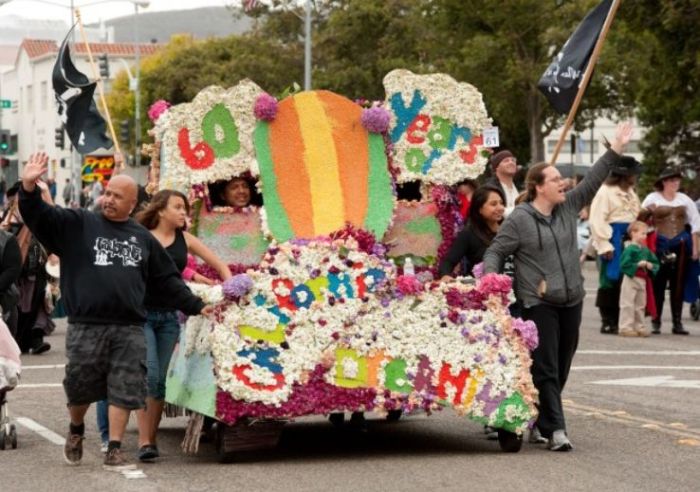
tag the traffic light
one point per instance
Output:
(59, 138)
(4, 141)
(103, 63)
(124, 131)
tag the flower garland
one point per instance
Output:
(449, 218)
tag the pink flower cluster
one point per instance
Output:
(409, 285)
(366, 241)
(265, 107)
(496, 284)
(527, 330)
(157, 109)
(376, 119)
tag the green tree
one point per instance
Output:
(664, 57)
(186, 66)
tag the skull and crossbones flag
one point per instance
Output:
(561, 80)
(74, 94)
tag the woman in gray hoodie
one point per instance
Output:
(541, 234)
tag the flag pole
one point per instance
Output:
(99, 84)
(586, 78)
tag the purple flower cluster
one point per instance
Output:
(376, 119)
(527, 330)
(237, 286)
(478, 270)
(157, 109)
(265, 107)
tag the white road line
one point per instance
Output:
(48, 366)
(39, 385)
(615, 368)
(47, 434)
(638, 352)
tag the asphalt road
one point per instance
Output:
(633, 408)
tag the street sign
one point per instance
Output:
(5, 103)
(491, 137)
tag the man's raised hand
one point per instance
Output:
(35, 167)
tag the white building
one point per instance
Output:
(588, 145)
(33, 117)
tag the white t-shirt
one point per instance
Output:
(692, 216)
(511, 194)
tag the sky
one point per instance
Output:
(107, 10)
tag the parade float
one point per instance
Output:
(334, 305)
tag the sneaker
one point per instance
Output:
(104, 447)
(40, 349)
(643, 333)
(560, 442)
(149, 452)
(73, 449)
(627, 333)
(115, 461)
(656, 327)
(536, 437)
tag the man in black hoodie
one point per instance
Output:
(108, 261)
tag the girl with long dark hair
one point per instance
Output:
(485, 216)
(166, 216)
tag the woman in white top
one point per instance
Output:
(677, 224)
(614, 206)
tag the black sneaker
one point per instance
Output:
(149, 452)
(40, 349)
(115, 461)
(73, 449)
(656, 327)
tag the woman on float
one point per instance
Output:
(485, 217)
(614, 207)
(677, 224)
(166, 216)
(541, 234)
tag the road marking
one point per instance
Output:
(652, 381)
(638, 352)
(39, 385)
(638, 367)
(47, 434)
(48, 366)
(689, 442)
(631, 420)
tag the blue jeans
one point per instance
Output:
(103, 419)
(162, 330)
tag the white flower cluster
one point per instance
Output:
(239, 100)
(375, 327)
(459, 103)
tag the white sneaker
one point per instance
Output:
(104, 447)
(536, 437)
(560, 441)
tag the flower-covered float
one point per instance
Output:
(321, 316)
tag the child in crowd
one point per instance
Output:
(637, 263)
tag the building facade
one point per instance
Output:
(33, 116)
